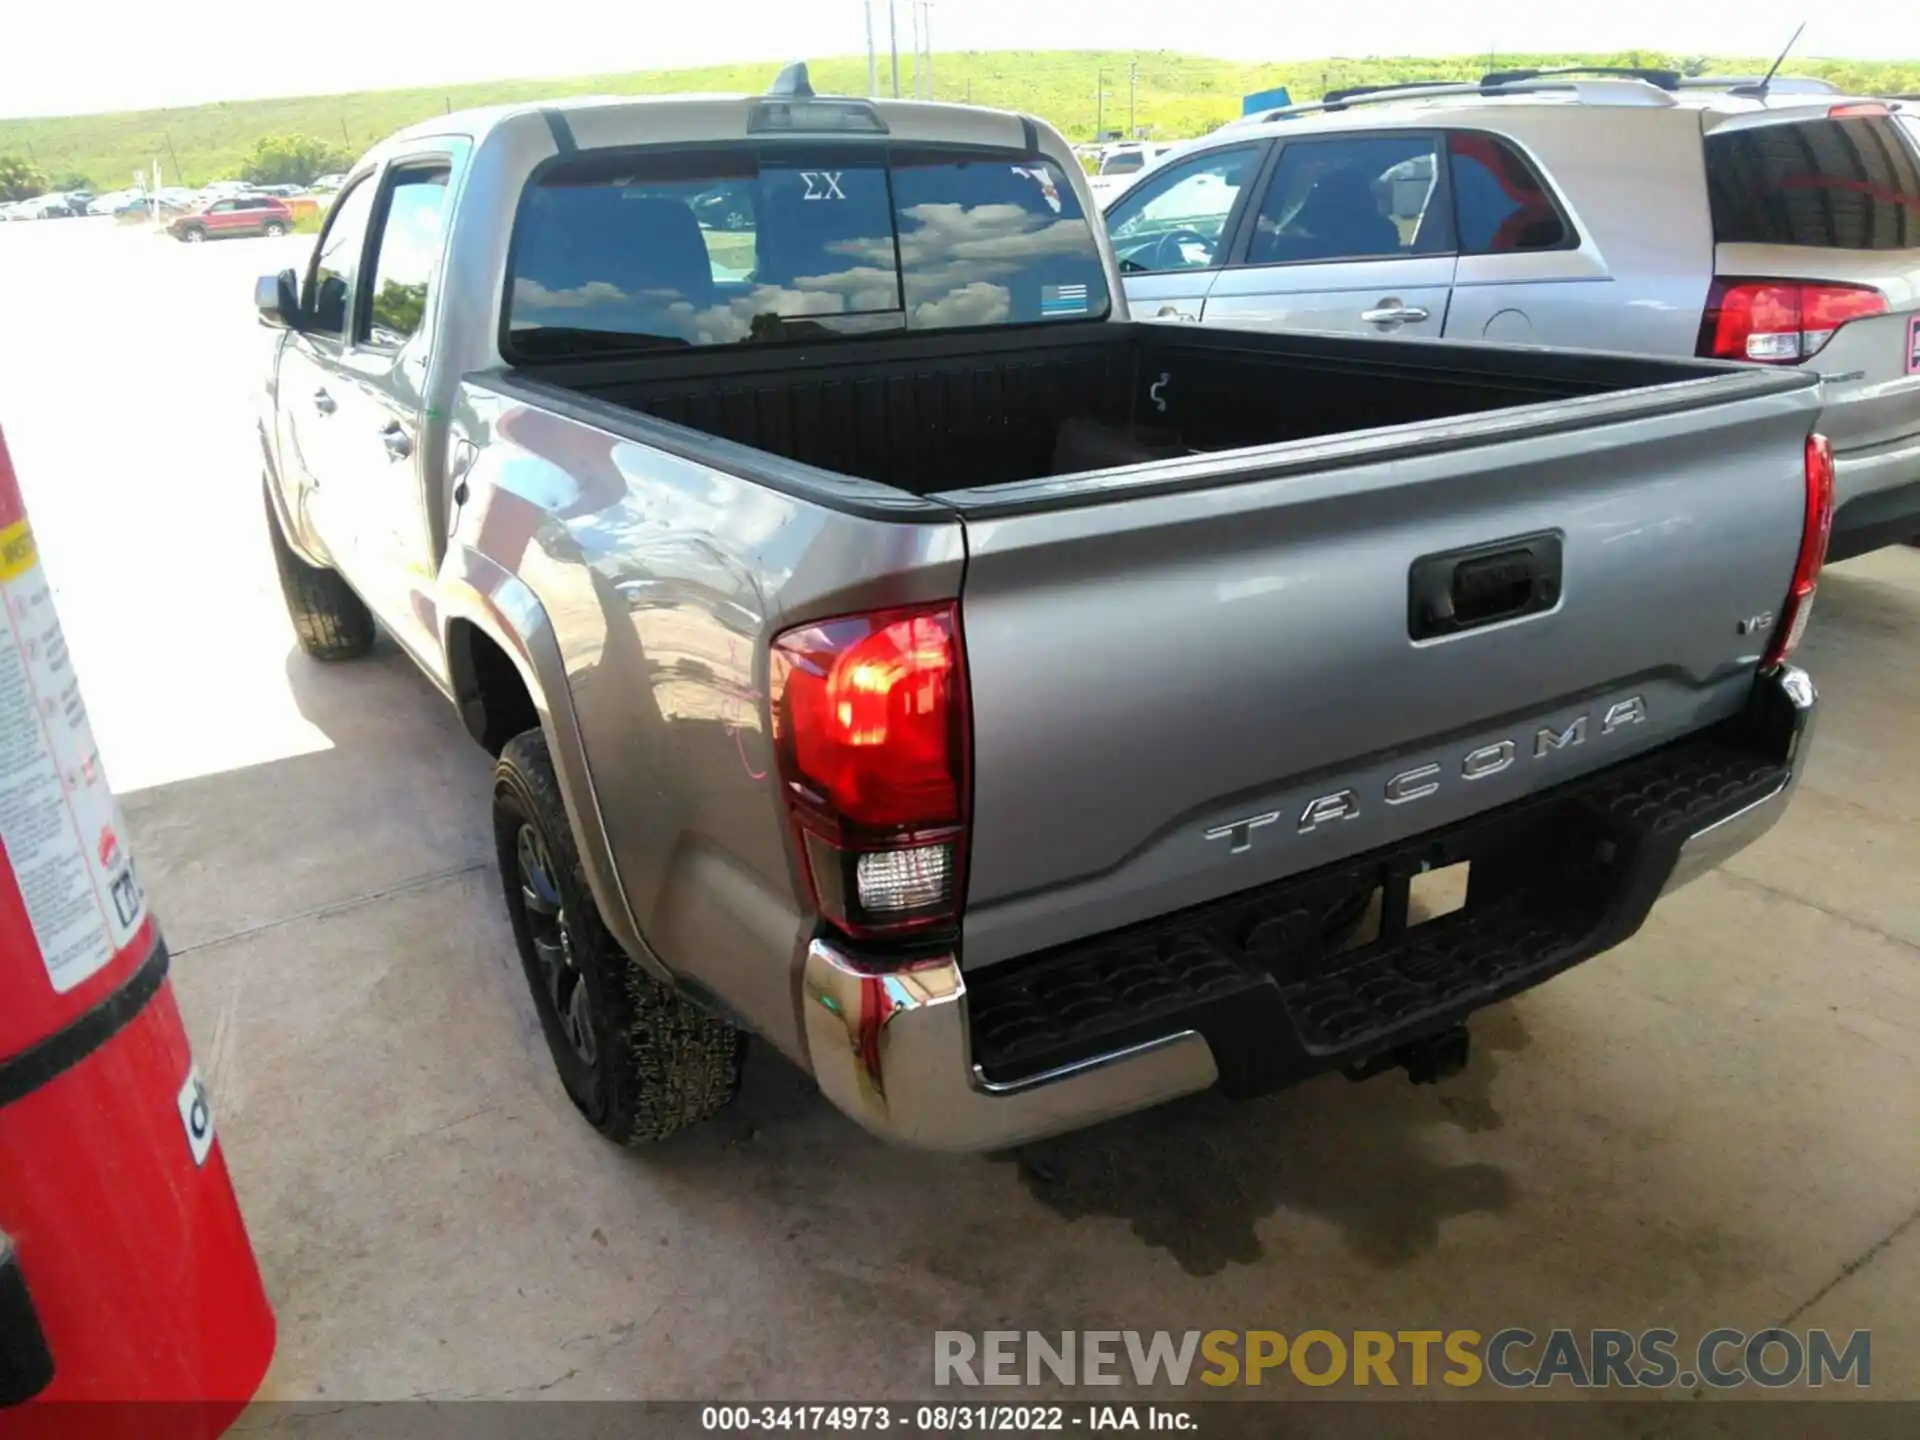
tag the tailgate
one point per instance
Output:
(1178, 695)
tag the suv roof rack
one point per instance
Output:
(1664, 79)
(1353, 92)
(1627, 89)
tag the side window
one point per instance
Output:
(335, 261)
(1499, 204)
(220, 207)
(406, 253)
(1173, 219)
(1366, 198)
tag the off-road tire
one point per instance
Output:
(329, 620)
(661, 1063)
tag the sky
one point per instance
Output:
(80, 56)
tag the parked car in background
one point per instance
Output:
(327, 184)
(1122, 165)
(1011, 713)
(44, 207)
(239, 215)
(1635, 211)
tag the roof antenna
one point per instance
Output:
(1759, 92)
(792, 82)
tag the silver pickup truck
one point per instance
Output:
(1014, 715)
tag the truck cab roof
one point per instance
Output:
(597, 121)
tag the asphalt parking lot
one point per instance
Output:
(1717, 1125)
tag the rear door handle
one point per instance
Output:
(1392, 312)
(323, 402)
(399, 447)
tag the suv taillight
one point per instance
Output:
(1815, 530)
(870, 727)
(1780, 322)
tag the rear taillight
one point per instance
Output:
(1780, 322)
(870, 726)
(1814, 533)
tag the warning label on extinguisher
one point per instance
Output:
(62, 829)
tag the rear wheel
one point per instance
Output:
(275, 229)
(637, 1060)
(193, 235)
(329, 620)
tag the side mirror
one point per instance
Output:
(277, 298)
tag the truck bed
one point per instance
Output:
(932, 413)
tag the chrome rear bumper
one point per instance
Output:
(1704, 849)
(890, 1047)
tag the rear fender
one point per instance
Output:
(478, 591)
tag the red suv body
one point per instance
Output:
(235, 215)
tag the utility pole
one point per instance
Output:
(926, 39)
(873, 62)
(1133, 77)
(913, 21)
(893, 43)
(1099, 103)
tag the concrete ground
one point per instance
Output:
(1717, 1125)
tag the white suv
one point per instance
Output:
(1635, 211)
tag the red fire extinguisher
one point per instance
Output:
(126, 1274)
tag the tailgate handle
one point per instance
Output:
(1462, 590)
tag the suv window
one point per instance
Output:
(1365, 198)
(336, 259)
(724, 248)
(406, 252)
(1499, 204)
(1847, 184)
(1173, 219)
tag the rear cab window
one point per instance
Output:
(1849, 183)
(749, 244)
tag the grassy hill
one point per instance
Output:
(1178, 95)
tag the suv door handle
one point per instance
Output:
(1392, 312)
(399, 447)
(323, 402)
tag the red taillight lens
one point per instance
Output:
(1814, 534)
(1780, 322)
(870, 725)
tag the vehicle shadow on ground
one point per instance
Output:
(1194, 1178)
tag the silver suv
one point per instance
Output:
(1777, 223)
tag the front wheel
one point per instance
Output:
(275, 229)
(637, 1060)
(329, 620)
